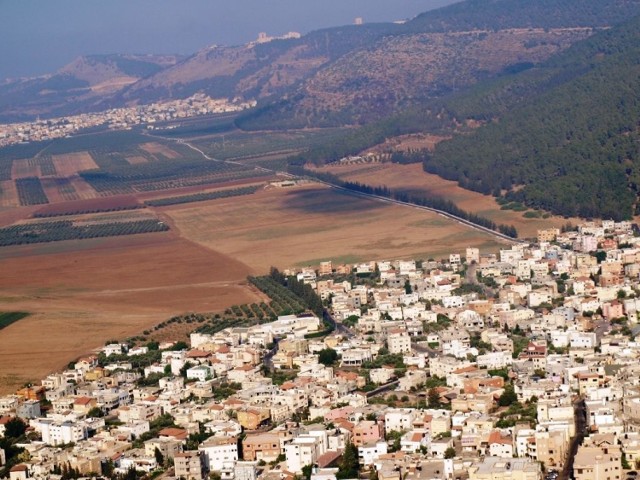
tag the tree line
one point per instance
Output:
(434, 202)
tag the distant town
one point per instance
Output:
(521, 364)
(117, 118)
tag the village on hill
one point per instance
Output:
(518, 365)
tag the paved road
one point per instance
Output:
(580, 418)
(338, 326)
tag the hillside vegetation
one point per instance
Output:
(562, 137)
(332, 77)
(439, 52)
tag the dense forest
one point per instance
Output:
(564, 133)
(500, 14)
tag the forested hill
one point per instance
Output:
(437, 53)
(563, 136)
(501, 14)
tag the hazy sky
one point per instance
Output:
(39, 36)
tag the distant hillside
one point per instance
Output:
(501, 14)
(254, 72)
(77, 86)
(563, 136)
(337, 76)
(439, 52)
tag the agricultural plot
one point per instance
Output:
(30, 191)
(411, 179)
(59, 189)
(98, 205)
(308, 224)
(282, 302)
(154, 176)
(44, 232)
(8, 194)
(204, 196)
(136, 160)
(143, 280)
(25, 168)
(247, 145)
(6, 167)
(69, 164)
(33, 167)
(155, 148)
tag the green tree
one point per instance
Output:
(508, 397)
(159, 457)
(348, 466)
(433, 398)
(95, 412)
(450, 452)
(328, 356)
(307, 470)
(15, 428)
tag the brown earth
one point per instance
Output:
(8, 194)
(115, 202)
(405, 143)
(136, 160)
(72, 163)
(82, 293)
(304, 225)
(413, 179)
(154, 147)
(59, 189)
(24, 168)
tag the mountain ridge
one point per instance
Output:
(295, 77)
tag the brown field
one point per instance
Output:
(404, 143)
(59, 189)
(136, 160)
(84, 293)
(24, 168)
(8, 194)
(159, 148)
(83, 189)
(119, 201)
(69, 164)
(308, 224)
(411, 178)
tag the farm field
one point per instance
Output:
(81, 294)
(411, 178)
(304, 225)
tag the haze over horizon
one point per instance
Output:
(40, 37)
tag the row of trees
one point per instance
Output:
(301, 290)
(566, 132)
(201, 197)
(66, 230)
(30, 191)
(434, 202)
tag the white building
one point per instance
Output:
(218, 451)
(60, 433)
(399, 343)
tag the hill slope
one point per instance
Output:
(438, 52)
(78, 85)
(563, 136)
(336, 76)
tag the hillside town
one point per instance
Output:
(520, 364)
(118, 118)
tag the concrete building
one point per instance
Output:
(189, 465)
